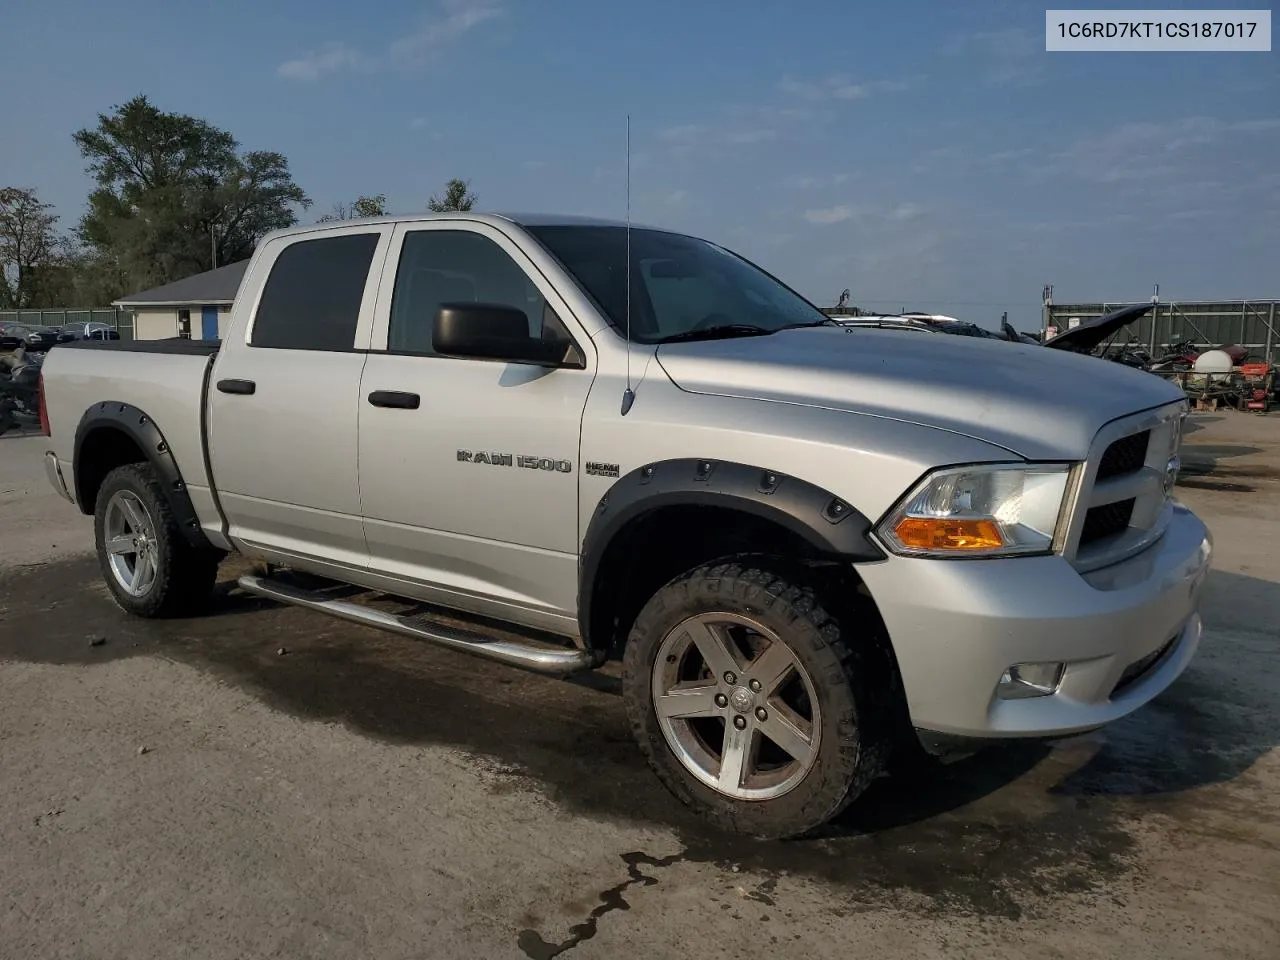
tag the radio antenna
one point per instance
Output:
(628, 395)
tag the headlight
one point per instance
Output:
(991, 510)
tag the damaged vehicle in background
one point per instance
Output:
(30, 337)
(19, 386)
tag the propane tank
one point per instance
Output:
(1213, 361)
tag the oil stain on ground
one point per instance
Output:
(531, 942)
(991, 835)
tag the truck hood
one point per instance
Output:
(1037, 403)
(1086, 336)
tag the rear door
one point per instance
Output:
(469, 468)
(283, 405)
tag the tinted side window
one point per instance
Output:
(455, 266)
(312, 297)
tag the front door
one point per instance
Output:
(471, 496)
(208, 323)
(284, 399)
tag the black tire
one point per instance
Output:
(185, 575)
(845, 661)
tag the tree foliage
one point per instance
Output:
(457, 196)
(175, 193)
(374, 206)
(32, 254)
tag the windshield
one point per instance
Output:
(679, 285)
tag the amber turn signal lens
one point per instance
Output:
(941, 533)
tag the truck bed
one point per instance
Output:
(165, 380)
(171, 345)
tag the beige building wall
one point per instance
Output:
(155, 323)
(224, 320)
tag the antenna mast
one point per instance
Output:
(628, 395)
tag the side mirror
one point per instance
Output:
(491, 331)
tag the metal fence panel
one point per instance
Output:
(1250, 323)
(122, 320)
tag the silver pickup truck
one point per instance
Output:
(554, 442)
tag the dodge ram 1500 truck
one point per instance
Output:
(554, 441)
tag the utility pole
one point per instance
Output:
(1046, 317)
(1155, 318)
(213, 243)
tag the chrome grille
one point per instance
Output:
(1121, 505)
(1107, 520)
(1124, 455)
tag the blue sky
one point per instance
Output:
(925, 155)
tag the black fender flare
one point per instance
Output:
(142, 430)
(833, 527)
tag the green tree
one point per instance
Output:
(375, 206)
(32, 254)
(457, 196)
(176, 195)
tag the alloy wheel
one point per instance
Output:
(130, 542)
(736, 706)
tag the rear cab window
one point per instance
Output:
(312, 297)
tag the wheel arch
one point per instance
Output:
(735, 506)
(112, 434)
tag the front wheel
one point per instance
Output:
(149, 567)
(754, 705)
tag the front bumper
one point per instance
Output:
(957, 625)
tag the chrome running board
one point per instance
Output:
(530, 655)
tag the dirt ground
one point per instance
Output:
(187, 790)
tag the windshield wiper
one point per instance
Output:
(824, 322)
(718, 332)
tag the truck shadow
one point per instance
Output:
(985, 835)
(1198, 421)
(1217, 466)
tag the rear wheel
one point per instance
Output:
(149, 567)
(754, 706)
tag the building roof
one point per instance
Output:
(213, 287)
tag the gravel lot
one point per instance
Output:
(185, 790)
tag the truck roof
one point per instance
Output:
(493, 218)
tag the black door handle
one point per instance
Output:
(395, 398)
(245, 387)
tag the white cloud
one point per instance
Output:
(328, 58)
(452, 20)
(418, 123)
(455, 19)
(688, 137)
(906, 211)
(1012, 56)
(1007, 156)
(1143, 153)
(811, 181)
(838, 86)
(829, 214)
